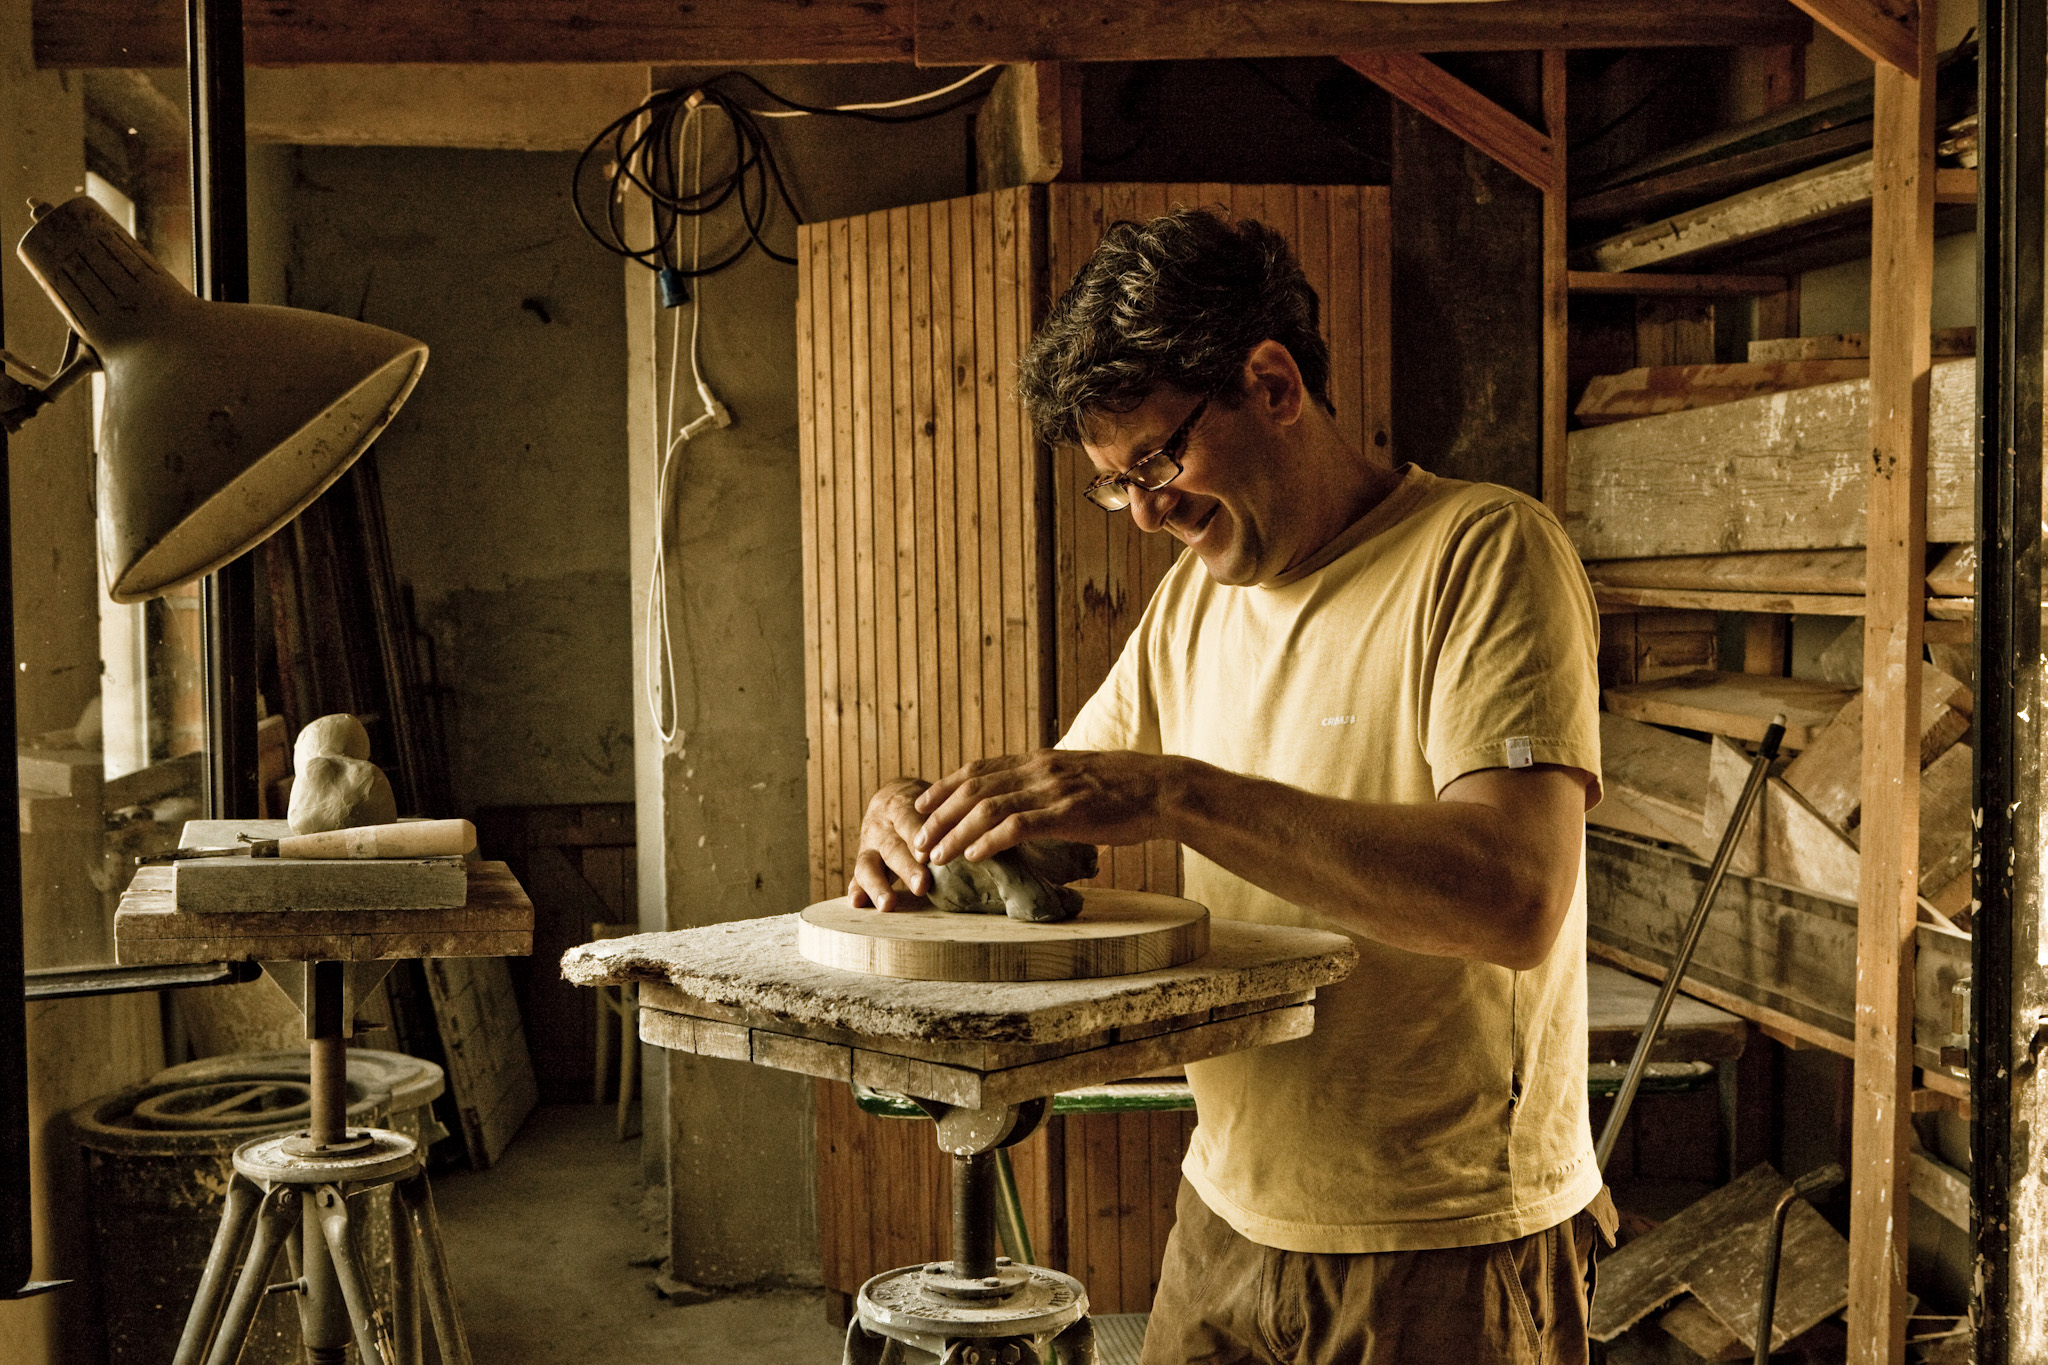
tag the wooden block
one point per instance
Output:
(1644, 646)
(1782, 472)
(1728, 768)
(1700, 1332)
(1955, 574)
(1713, 1249)
(1775, 571)
(1948, 342)
(1117, 933)
(1942, 1188)
(1652, 389)
(490, 1074)
(1734, 704)
(1829, 772)
(1813, 1274)
(1803, 849)
(77, 773)
(246, 885)
(1652, 777)
(171, 777)
(1946, 828)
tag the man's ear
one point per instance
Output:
(1276, 382)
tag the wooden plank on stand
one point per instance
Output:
(1901, 292)
(1738, 705)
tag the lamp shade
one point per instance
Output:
(222, 420)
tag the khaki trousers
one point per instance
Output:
(1223, 1300)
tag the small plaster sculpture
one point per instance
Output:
(1025, 882)
(335, 785)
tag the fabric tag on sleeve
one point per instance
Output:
(1520, 754)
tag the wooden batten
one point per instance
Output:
(1782, 472)
(1653, 389)
(1653, 784)
(1738, 705)
(1829, 191)
(1898, 475)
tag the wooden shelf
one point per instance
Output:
(1815, 218)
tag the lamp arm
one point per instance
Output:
(21, 399)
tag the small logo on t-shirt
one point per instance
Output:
(1519, 753)
(1340, 720)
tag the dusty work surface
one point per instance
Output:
(497, 921)
(1117, 933)
(244, 883)
(754, 966)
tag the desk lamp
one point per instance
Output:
(223, 421)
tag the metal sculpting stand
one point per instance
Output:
(978, 1308)
(303, 1183)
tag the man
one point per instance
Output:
(1366, 701)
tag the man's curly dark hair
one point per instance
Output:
(1181, 301)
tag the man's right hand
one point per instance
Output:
(886, 830)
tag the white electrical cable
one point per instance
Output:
(662, 667)
(882, 104)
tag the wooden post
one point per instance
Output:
(1901, 284)
(1556, 298)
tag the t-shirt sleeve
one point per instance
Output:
(1514, 673)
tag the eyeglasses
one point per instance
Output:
(1112, 492)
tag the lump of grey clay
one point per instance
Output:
(1025, 882)
(334, 785)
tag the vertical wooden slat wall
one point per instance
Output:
(1123, 1170)
(925, 644)
(950, 613)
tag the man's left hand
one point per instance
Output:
(1092, 798)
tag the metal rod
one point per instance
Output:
(220, 250)
(2013, 110)
(1805, 1187)
(974, 1215)
(373, 1343)
(275, 1221)
(326, 998)
(1625, 1097)
(17, 1237)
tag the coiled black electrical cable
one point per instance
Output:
(642, 150)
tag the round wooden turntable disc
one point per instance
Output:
(1117, 933)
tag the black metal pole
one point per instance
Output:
(974, 1215)
(2013, 67)
(220, 248)
(17, 1242)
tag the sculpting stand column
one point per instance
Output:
(292, 1193)
(978, 1308)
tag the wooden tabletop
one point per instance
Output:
(1617, 1005)
(149, 929)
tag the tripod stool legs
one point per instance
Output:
(335, 1305)
(418, 1198)
(275, 1218)
(228, 1245)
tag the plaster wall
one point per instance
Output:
(504, 476)
(731, 785)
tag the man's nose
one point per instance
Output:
(1150, 509)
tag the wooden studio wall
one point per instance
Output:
(963, 600)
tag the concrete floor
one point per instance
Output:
(553, 1254)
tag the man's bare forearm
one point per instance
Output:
(1452, 877)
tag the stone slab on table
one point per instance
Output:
(497, 921)
(742, 991)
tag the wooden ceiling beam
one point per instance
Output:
(1437, 95)
(86, 34)
(74, 34)
(965, 31)
(1882, 30)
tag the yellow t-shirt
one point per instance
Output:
(1440, 1102)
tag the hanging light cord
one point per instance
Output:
(641, 149)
